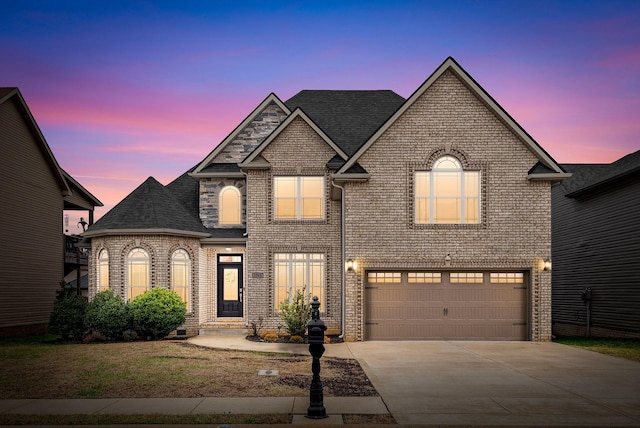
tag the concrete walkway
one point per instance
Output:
(427, 384)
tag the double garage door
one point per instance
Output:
(446, 305)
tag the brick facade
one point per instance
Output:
(298, 150)
(379, 228)
(516, 219)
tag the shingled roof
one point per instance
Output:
(151, 208)
(592, 177)
(350, 117)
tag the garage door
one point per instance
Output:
(446, 305)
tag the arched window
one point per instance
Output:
(181, 276)
(138, 273)
(103, 270)
(230, 206)
(447, 193)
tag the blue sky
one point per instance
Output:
(127, 90)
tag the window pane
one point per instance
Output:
(472, 214)
(230, 206)
(446, 184)
(472, 184)
(285, 208)
(230, 285)
(312, 208)
(447, 210)
(447, 162)
(103, 271)
(424, 277)
(311, 187)
(285, 187)
(466, 277)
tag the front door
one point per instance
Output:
(230, 285)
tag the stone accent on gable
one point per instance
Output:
(252, 135)
(515, 231)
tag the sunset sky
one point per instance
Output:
(127, 90)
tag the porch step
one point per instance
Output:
(223, 329)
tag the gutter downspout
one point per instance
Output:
(246, 248)
(343, 247)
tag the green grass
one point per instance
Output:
(623, 348)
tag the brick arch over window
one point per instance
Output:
(124, 263)
(460, 155)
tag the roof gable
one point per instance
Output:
(450, 64)
(591, 177)
(347, 117)
(200, 169)
(298, 113)
(150, 208)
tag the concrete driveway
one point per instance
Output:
(501, 383)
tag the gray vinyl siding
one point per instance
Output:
(31, 241)
(596, 243)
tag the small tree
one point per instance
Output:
(108, 315)
(67, 317)
(157, 312)
(295, 311)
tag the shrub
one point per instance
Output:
(296, 312)
(157, 312)
(270, 337)
(108, 315)
(67, 317)
(296, 339)
(256, 326)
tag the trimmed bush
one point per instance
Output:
(296, 312)
(108, 315)
(67, 317)
(296, 339)
(157, 312)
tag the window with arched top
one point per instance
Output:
(447, 194)
(230, 206)
(103, 270)
(181, 276)
(138, 273)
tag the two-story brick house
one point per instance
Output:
(424, 218)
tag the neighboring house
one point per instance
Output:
(424, 218)
(35, 191)
(596, 250)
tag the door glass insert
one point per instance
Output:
(230, 289)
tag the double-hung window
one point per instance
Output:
(447, 194)
(295, 271)
(298, 198)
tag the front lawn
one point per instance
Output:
(44, 368)
(623, 348)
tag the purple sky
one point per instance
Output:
(127, 90)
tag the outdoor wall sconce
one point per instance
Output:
(447, 260)
(351, 265)
(546, 264)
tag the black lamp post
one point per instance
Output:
(315, 336)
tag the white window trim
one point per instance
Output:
(462, 195)
(187, 263)
(298, 200)
(221, 206)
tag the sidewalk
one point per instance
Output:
(336, 406)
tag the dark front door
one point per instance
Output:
(230, 286)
